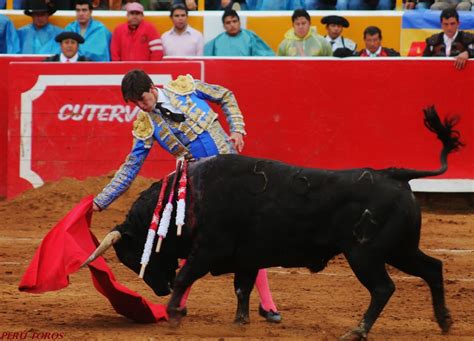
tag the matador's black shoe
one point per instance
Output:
(270, 316)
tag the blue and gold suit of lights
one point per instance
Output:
(199, 135)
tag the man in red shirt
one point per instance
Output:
(136, 40)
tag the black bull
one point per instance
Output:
(244, 214)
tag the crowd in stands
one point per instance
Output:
(138, 40)
(259, 5)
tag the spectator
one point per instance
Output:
(192, 5)
(451, 42)
(9, 42)
(341, 47)
(17, 4)
(38, 37)
(236, 5)
(136, 39)
(107, 4)
(96, 35)
(159, 5)
(63, 5)
(302, 40)
(182, 39)
(236, 41)
(69, 42)
(460, 5)
(373, 44)
(277, 5)
(322, 5)
(418, 4)
(365, 5)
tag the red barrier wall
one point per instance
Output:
(349, 113)
(65, 124)
(4, 61)
(318, 113)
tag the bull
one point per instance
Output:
(245, 214)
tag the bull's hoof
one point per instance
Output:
(174, 322)
(175, 315)
(354, 335)
(183, 311)
(446, 323)
(270, 316)
(241, 320)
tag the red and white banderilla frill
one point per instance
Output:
(166, 217)
(152, 229)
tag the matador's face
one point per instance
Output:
(148, 100)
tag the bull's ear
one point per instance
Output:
(107, 242)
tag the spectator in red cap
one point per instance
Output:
(136, 40)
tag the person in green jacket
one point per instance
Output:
(302, 40)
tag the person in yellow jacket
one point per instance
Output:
(302, 40)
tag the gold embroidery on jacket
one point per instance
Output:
(167, 136)
(198, 120)
(183, 85)
(228, 104)
(143, 127)
(224, 146)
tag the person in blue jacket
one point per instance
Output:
(236, 41)
(9, 42)
(97, 37)
(38, 37)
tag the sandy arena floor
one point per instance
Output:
(314, 307)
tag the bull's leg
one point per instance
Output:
(431, 270)
(370, 270)
(243, 285)
(194, 269)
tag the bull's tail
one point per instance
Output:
(446, 134)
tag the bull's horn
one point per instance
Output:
(108, 241)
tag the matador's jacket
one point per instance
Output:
(198, 135)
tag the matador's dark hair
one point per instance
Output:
(134, 84)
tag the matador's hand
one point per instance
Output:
(238, 141)
(95, 208)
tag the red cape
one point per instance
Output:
(62, 252)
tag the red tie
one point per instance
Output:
(67, 60)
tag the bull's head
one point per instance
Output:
(160, 272)
(129, 240)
